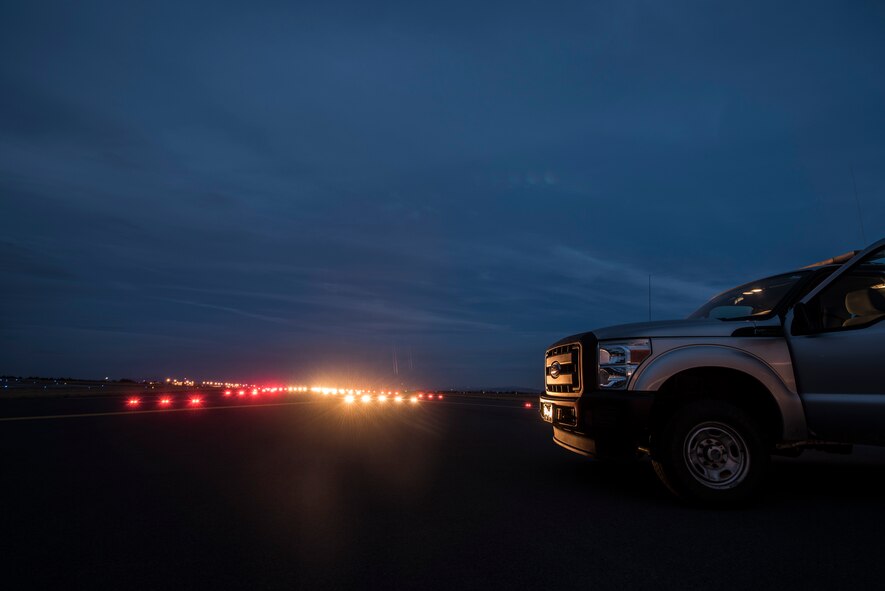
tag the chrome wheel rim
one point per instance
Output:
(716, 455)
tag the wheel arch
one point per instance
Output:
(692, 372)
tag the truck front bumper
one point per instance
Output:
(605, 425)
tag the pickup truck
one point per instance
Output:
(790, 362)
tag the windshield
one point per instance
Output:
(752, 300)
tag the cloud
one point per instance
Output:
(468, 181)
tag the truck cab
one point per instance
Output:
(774, 366)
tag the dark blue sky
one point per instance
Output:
(293, 191)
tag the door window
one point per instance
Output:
(856, 299)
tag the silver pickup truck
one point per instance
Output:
(775, 366)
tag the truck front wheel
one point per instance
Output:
(711, 452)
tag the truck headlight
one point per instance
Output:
(618, 360)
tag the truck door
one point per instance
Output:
(837, 340)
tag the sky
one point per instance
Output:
(413, 194)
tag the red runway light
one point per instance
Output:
(227, 392)
(527, 405)
(165, 401)
(241, 393)
(440, 397)
(133, 401)
(255, 392)
(196, 401)
(420, 395)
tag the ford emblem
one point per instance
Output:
(555, 369)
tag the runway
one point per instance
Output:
(316, 493)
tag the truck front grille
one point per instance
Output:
(562, 369)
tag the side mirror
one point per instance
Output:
(802, 323)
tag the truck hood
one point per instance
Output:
(673, 328)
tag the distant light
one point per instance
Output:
(430, 396)
(440, 396)
(419, 396)
(227, 392)
(349, 399)
(134, 401)
(399, 399)
(413, 399)
(165, 401)
(254, 391)
(366, 398)
(527, 405)
(241, 393)
(382, 398)
(196, 401)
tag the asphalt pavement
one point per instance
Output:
(301, 492)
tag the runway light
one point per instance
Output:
(413, 399)
(165, 401)
(382, 398)
(227, 392)
(196, 401)
(430, 396)
(366, 398)
(527, 405)
(419, 396)
(440, 397)
(241, 393)
(349, 399)
(133, 401)
(399, 399)
(254, 391)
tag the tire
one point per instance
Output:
(713, 453)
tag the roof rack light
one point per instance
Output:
(837, 260)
